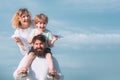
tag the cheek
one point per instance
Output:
(37, 25)
(44, 26)
(43, 46)
(34, 46)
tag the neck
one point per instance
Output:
(24, 26)
(40, 31)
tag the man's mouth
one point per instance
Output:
(39, 49)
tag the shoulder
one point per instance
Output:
(31, 53)
(48, 31)
(18, 30)
(31, 50)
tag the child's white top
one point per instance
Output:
(47, 33)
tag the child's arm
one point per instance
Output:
(55, 38)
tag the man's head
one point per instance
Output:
(39, 45)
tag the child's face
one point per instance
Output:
(41, 26)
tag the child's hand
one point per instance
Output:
(55, 37)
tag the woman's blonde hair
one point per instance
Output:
(41, 18)
(15, 20)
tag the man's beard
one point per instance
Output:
(39, 52)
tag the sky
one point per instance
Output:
(90, 30)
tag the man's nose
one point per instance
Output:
(38, 46)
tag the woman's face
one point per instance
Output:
(25, 19)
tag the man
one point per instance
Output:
(35, 57)
(38, 49)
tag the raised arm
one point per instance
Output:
(51, 42)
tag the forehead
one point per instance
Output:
(40, 20)
(38, 42)
(24, 14)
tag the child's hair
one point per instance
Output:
(15, 20)
(41, 18)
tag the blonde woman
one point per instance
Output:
(23, 25)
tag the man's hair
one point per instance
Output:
(39, 37)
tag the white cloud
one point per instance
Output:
(94, 5)
(76, 36)
(91, 1)
(78, 41)
(91, 38)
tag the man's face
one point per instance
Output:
(39, 46)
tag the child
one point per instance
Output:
(41, 21)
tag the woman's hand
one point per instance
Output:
(19, 41)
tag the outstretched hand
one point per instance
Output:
(19, 41)
(55, 37)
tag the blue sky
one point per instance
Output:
(91, 36)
